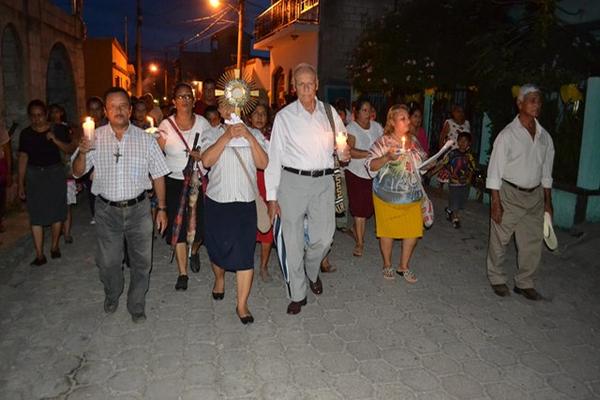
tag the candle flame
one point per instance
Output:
(150, 121)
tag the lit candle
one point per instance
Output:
(150, 121)
(88, 128)
(403, 143)
(341, 140)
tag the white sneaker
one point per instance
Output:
(92, 221)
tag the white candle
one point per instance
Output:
(340, 141)
(403, 143)
(150, 121)
(88, 128)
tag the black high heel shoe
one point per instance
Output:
(218, 296)
(246, 319)
(55, 253)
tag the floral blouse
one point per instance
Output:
(461, 167)
(398, 181)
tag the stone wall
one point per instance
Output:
(33, 33)
(39, 40)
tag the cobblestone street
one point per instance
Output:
(446, 337)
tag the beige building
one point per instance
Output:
(106, 65)
(320, 32)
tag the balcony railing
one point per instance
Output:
(282, 14)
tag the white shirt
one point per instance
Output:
(300, 140)
(126, 176)
(519, 159)
(175, 150)
(364, 140)
(227, 181)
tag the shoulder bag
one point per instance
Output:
(340, 210)
(263, 222)
(203, 179)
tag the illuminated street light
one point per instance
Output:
(154, 69)
(240, 11)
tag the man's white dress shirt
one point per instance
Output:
(300, 140)
(520, 160)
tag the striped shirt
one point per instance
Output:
(227, 181)
(122, 169)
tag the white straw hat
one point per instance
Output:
(549, 235)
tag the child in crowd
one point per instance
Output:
(212, 115)
(460, 166)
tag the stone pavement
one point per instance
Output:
(446, 337)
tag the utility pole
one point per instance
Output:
(240, 34)
(126, 40)
(166, 72)
(138, 51)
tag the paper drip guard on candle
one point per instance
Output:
(437, 155)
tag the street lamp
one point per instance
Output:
(153, 68)
(240, 11)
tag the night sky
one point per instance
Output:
(165, 22)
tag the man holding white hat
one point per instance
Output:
(520, 180)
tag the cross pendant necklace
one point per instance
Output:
(117, 155)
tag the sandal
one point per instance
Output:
(388, 273)
(358, 250)
(408, 275)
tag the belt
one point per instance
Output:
(124, 203)
(528, 190)
(314, 173)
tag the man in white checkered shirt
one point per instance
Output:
(127, 161)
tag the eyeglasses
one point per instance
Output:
(184, 97)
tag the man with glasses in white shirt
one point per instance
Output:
(520, 180)
(299, 182)
(127, 162)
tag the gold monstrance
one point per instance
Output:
(238, 92)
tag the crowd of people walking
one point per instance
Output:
(196, 180)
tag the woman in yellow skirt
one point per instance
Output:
(397, 191)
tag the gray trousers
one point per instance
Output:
(134, 224)
(301, 196)
(524, 217)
